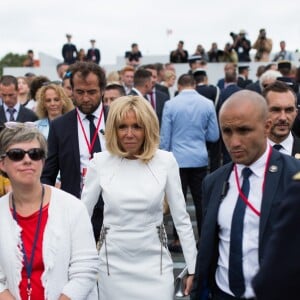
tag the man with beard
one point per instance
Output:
(74, 137)
(281, 101)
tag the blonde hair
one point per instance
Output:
(169, 74)
(41, 98)
(113, 76)
(146, 117)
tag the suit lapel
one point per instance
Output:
(218, 190)
(2, 115)
(273, 175)
(20, 116)
(73, 131)
(296, 146)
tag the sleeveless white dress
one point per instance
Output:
(134, 260)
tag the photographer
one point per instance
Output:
(241, 45)
(179, 55)
(229, 54)
(263, 45)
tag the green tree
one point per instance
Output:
(11, 60)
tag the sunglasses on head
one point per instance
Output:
(14, 125)
(19, 154)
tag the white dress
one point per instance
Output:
(135, 263)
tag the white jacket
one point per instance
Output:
(69, 251)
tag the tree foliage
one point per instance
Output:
(12, 60)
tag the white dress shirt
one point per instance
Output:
(7, 114)
(83, 146)
(251, 226)
(287, 144)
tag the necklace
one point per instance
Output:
(29, 263)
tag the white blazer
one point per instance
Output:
(69, 251)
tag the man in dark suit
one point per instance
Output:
(142, 83)
(69, 51)
(11, 110)
(240, 201)
(282, 101)
(243, 80)
(278, 277)
(93, 53)
(74, 137)
(231, 87)
(156, 97)
(221, 84)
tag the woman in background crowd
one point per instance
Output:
(52, 102)
(23, 90)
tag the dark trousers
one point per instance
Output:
(192, 178)
(97, 218)
(214, 154)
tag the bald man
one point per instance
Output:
(240, 201)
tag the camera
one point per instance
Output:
(233, 35)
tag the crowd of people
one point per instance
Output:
(236, 51)
(126, 144)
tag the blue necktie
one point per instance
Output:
(236, 276)
(277, 147)
(97, 146)
(11, 112)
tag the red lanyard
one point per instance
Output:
(90, 145)
(245, 199)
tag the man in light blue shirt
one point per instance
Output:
(189, 121)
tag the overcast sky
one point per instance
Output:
(115, 24)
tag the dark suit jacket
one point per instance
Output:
(226, 93)
(161, 99)
(64, 156)
(275, 186)
(296, 146)
(242, 83)
(69, 52)
(163, 89)
(208, 91)
(24, 115)
(254, 86)
(133, 93)
(93, 52)
(279, 275)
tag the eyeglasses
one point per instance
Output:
(13, 125)
(18, 154)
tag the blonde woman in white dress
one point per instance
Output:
(133, 177)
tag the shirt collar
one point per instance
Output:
(258, 167)
(286, 144)
(96, 113)
(16, 107)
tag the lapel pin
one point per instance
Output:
(297, 155)
(273, 169)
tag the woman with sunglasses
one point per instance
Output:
(47, 248)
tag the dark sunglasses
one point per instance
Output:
(19, 154)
